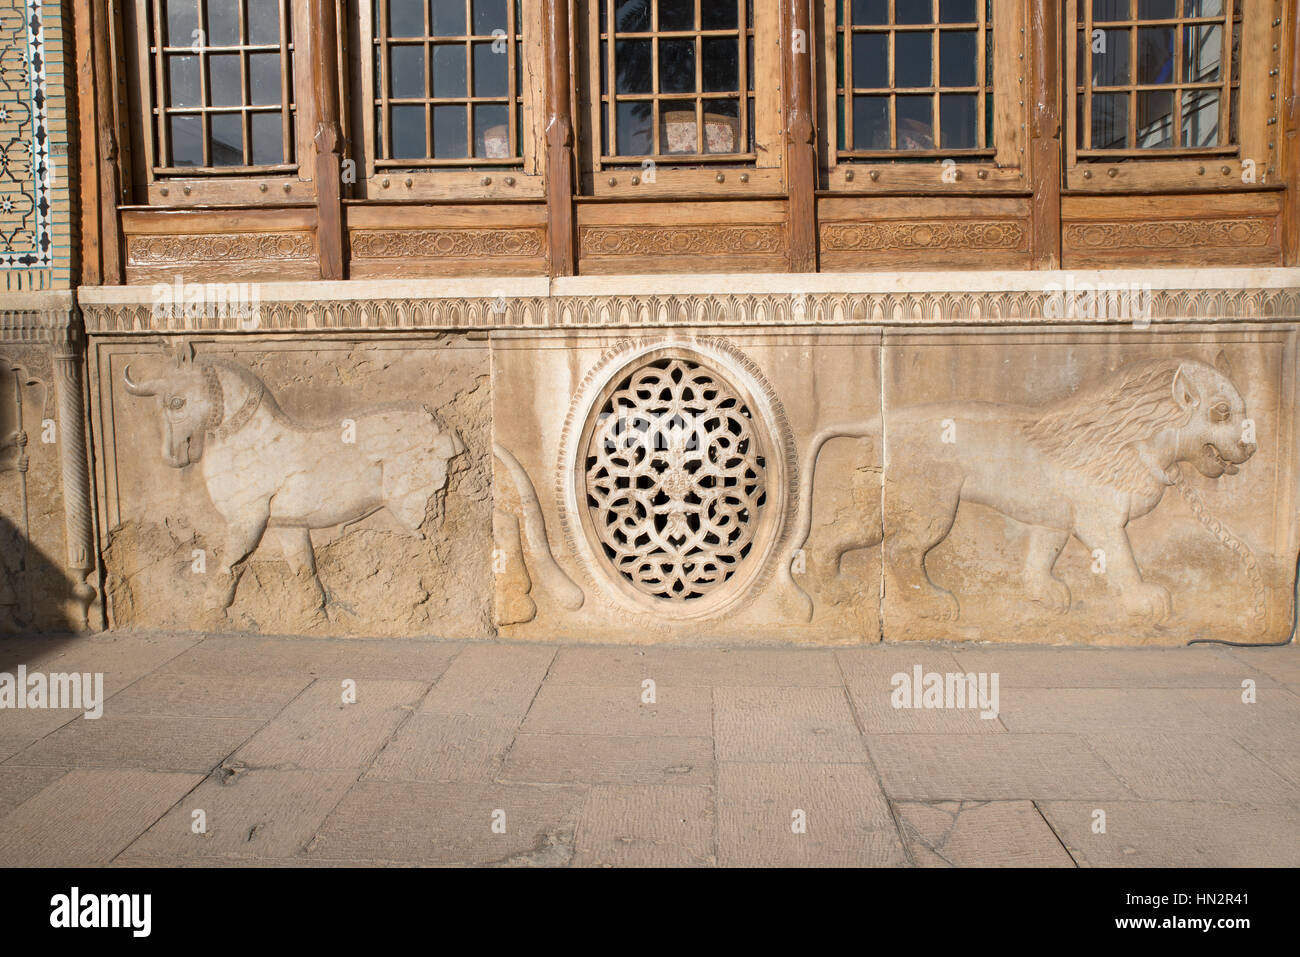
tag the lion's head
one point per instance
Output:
(1146, 417)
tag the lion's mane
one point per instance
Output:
(1095, 429)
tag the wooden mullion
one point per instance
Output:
(698, 41)
(164, 157)
(847, 59)
(893, 86)
(1087, 73)
(381, 49)
(981, 64)
(742, 78)
(1180, 77)
(204, 129)
(1132, 80)
(935, 119)
(656, 117)
(286, 90)
(512, 100)
(245, 92)
(1225, 61)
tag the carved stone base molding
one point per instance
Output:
(46, 516)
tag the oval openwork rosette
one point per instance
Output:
(678, 476)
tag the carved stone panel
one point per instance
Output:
(292, 487)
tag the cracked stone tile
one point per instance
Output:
(609, 759)
(869, 676)
(491, 681)
(1271, 722)
(162, 743)
(585, 709)
(778, 725)
(19, 784)
(646, 827)
(980, 834)
(444, 747)
(214, 696)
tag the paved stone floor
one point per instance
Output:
(514, 754)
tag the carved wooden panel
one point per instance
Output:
(235, 255)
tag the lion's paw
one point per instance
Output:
(1050, 592)
(936, 604)
(1148, 601)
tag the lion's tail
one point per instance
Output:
(807, 477)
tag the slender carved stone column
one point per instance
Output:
(67, 352)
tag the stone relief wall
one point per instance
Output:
(290, 487)
(749, 480)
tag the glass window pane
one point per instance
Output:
(490, 15)
(957, 11)
(719, 15)
(491, 70)
(268, 139)
(264, 21)
(1106, 10)
(634, 129)
(449, 70)
(677, 14)
(227, 139)
(721, 126)
(450, 132)
(223, 80)
(958, 52)
(182, 21)
(721, 64)
(915, 122)
(1110, 59)
(676, 66)
(406, 72)
(186, 137)
(871, 61)
(1155, 55)
(407, 132)
(1202, 53)
(1155, 119)
(1157, 9)
(492, 131)
(632, 16)
(871, 122)
(913, 11)
(632, 61)
(182, 80)
(264, 78)
(1109, 121)
(870, 12)
(1201, 118)
(912, 55)
(958, 121)
(406, 17)
(223, 24)
(1203, 8)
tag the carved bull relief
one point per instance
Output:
(265, 471)
(1085, 466)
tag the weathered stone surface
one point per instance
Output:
(846, 820)
(291, 658)
(19, 784)
(1267, 724)
(1106, 668)
(990, 767)
(320, 731)
(646, 827)
(621, 709)
(690, 667)
(1283, 664)
(1066, 710)
(87, 817)
(258, 813)
(451, 823)
(785, 725)
(869, 676)
(445, 747)
(216, 696)
(609, 759)
(980, 834)
(1177, 834)
(491, 681)
(158, 742)
(341, 489)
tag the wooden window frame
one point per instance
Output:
(1180, 169)
(1000, 169)
(760, 172)
(462, 179)
(285, 184)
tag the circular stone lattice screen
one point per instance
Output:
(674, 479)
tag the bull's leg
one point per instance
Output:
(242, 537)
(1045, 546)
(917, 518)
(298, 552)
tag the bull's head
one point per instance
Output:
(188, 407)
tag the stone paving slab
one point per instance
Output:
(491, 681)
(684, 711)
(19, 784)
(1066, 710)
(1186, 767)
(160, 743)
(1285, 762)
(609, 759)
(869, 676)
(451, 823)
(445, 747)
(209, 696)
(1048, 667)
(354, 658)
(87, 817)
(35, 723)
(259, 813)
(1283, 664)
(980, 834)
(777, 725)
(990, 767)
(701, 667)
(646, 827)
(1177, 834)
(319, 731)
(1268, 723)
(846, 820)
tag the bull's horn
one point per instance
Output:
(136, 388)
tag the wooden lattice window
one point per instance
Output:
(914, 76)
(220, 85)
(676, 80)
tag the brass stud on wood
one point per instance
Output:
(613, 181)
(720, 178)
(636, 180)
(848, 176)
(164, 191)
(486, 181)
(874, 174)
(409, 182)
(983, 174)
(744, 177)
(261, 187)
(1112, 172)
(510, 181)
(384, 182)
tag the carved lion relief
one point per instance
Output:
(1085, 466)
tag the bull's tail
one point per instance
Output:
(807, 479)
